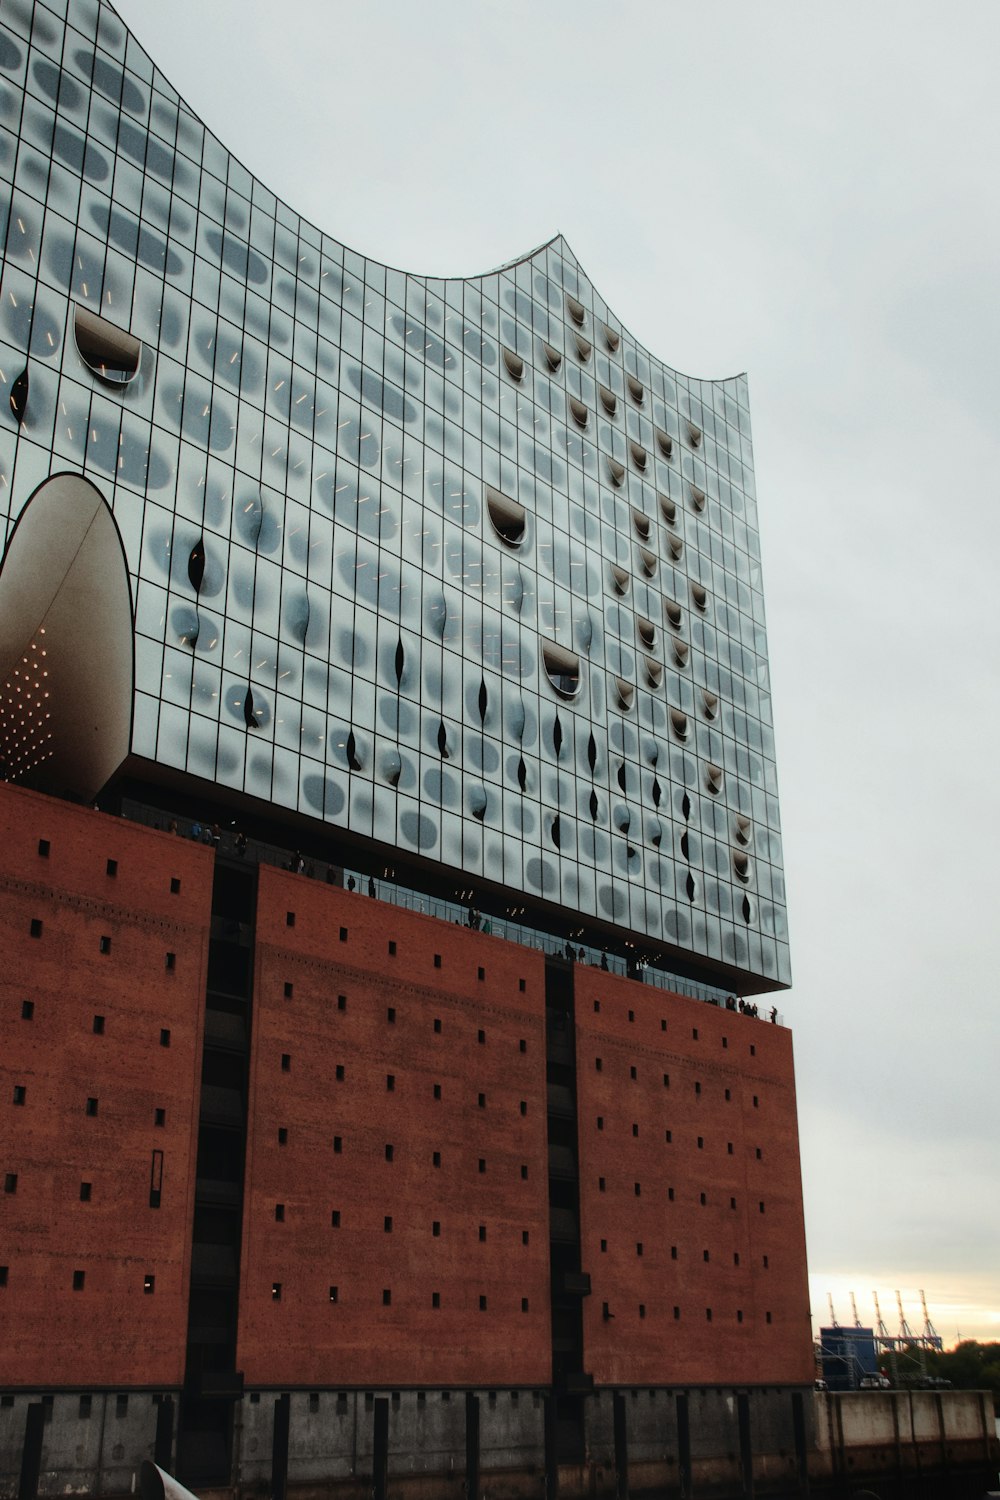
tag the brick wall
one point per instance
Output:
(382, 1033)
(101, 1031)
(691, 1205)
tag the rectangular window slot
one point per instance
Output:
(437, 1091)
(279, 1213)
(10, 1182)
(275, 1291)
(339, 1072)
(79, 1277)
(436, 1159)
(20, 1093)
(481, 1038)
(522, 986)
(482, 1164)
(392, 948)
(338, 1145)
(165, 1036)
(341, 1002)
(91, 1107)
(389, 1153)
(524, 1106)
(673, 1252)
(482, 1302)
(435, 1302)
(286, 1062)
(600, 1122)
(387, 1224)
(482, 1233)
(84, 1409)
(335, 1218)
(437, 960)
(159, 1117)
(84, 1192)
(112, 867)
(390, 1015)
(343, 934)
(27, 1010)
(633, 1072)
(386, 1297)
(482, 1101)
(36, 927)
(155, 1179)
(282, 1135)
(289, 989)
(524, 1172)
(105, 944)
(175, 886)
(481, 973)
(390, 1082)
(149, 1284)
(522, 1045)
(170, 962)
(289, 919)
(436, 1229)
(43, 848)
(333, 1297)
(525, 1236)
(98, 1025)
(668, 1136)
(601, 1185)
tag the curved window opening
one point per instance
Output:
(690, 887)
(686, 845)
(392, 767)
(639, 455)
(553, 358)
(698, 498)
(623, 819)
(676, 545)
(19, 395)
(657, 792)
(743, 828)
(557, 736)
(351, 750)
(681, 650)
(679, 723)
(654, 671)
(611, 338)
(664, 442)
(648, 560)
(714, 778)
(592, 753)
(621, 776)
(620, 578)
(477, 803)
(582, 347)
(668, 509)
(694, 435)
(514, 363)
(655, 831)
(742, 867)
(710, 703)
(674, 614)
(555, 832)
(616, 470)
(107, 350)
(576, 310)
(608, 399)
(196, 565)
(595, 806)
(685, 807)
(483, 701)
(747, 910)
(507, 517)
(250, 719)
(635, 389)
(399, 662)
(647, 631)
(443, 741)
(522, 773)
(625, 692)
(581, 416)
(562, 668)
(700, 596)
(641, 524)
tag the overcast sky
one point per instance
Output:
(807, 192)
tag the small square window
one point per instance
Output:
(481, 1038)
(338, 1072)
(387, 1224)
(392, 948)
(334, 1294)
(10, 1182)
(390, 1015)
(112, 867)
(36, 927)
(149, 1284)
(91, 1106)
(482, 1101)
(343, 934)
(85, 1192)
(286, 1062)
(437, 1025)
(386, 1297)
(435, 1299)
(164, 1036)
(482, 1164)
(27, 1010)
(437, 1091)
(282, 1135)
(279, 1213)
(521, 986)
(175, 886)
(20, 1093)
(275, 1291)
(289, 919)
(335, 1218)
(436, 1159)
(436, 1229)
(43, 848)
(480, 973)
(437, 960)
(105, 944)
(98, 1026)
(170, 962)
(289, 989)
(79, 1277)
(341, 1002)
(338, 1145)
(482, 1302)
(159, 1117)
(389, 1153)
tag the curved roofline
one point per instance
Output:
(506, 265)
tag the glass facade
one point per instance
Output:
(454, 565)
